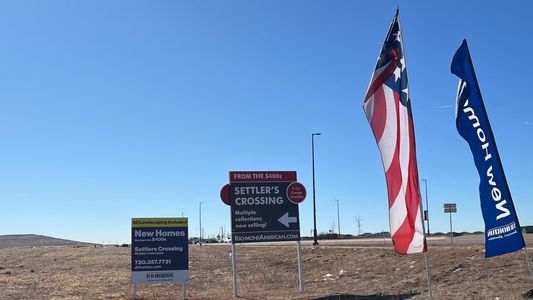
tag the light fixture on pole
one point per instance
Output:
(315, 238)
(427, 205)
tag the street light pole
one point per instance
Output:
(315, 238)
(427, 205)
(200, 205)
(338, 218)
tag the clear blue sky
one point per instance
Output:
(113, 110)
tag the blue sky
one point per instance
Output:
(113, 110)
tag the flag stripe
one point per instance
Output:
(379, 78)
(387, 141)
(418, 243)
(379, 119)
(403, 237)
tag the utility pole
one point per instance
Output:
(338, 217)
(315, 238)
(200, 204)
(359, 223)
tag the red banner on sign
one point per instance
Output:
(262, 176)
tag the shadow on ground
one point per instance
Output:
(367, 297)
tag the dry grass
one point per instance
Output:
(269, 272)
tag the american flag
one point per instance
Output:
(387, 107)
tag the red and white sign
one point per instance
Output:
(262, 176)
(225, 195)
(296, 192)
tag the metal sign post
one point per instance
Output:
(528, 262)
(133, 291)
(451, 229)
(300, 271)
(234, 267)
(450, 208)
(184, 291)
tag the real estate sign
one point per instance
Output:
(159, 250)
(264, 206)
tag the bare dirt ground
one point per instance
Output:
(268, 272)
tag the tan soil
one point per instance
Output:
(268, 272)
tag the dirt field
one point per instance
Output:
(331, 272)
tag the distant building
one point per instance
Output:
(527, 229)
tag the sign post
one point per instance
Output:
(450, 208)
(264, 208)
(234, 267)
(300, 271)
(159, 252)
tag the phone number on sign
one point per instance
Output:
(141, 262)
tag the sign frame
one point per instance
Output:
(261, 210)
(450, 208)
(159, 252)
(264, 188)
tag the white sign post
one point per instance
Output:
(234, 267)
(300, 271)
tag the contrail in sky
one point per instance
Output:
(441, 107)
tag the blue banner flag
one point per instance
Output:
(502, 229)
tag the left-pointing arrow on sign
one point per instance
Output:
(285, 219)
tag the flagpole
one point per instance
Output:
(426, 256)
(528, 261)
(428, 271)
